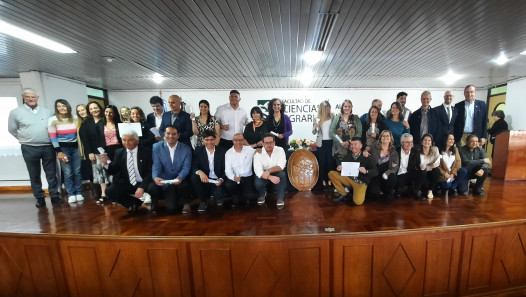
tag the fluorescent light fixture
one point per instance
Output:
(450, 77)
(306, 77)
(25, 35)
(312, 57)
(502, 59)
(523, 53)
(157, 78)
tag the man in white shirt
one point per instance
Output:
(155, 118)
(238, 170)
(232, 119)
(269, 166)
(409, 173)
(208, 168)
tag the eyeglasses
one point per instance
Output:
(268, 142)
(407, 141)
(238, 139)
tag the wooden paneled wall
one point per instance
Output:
(482, 260)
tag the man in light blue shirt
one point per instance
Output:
(472, 118)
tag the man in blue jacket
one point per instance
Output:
(179, 119)
(171, 164)
(472, 117)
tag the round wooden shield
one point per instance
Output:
(303, 170)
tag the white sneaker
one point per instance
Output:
(280, 204)
(147, 198)
(261, 200)
(79, 197)
(72, 199)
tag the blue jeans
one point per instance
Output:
(460, 183)
(33, 155)
(261, 185)
(71, 170)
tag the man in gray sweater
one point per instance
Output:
(28, 124)
(475, 160)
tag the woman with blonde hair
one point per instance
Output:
(324, 142)
(343, 129)
(386, 159)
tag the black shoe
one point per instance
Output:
(478, 192)
(340, 198)
(453, 193)
(40, 203)
(397, 195)
(133, 210)
(57, 201)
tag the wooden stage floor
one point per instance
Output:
(305, 213)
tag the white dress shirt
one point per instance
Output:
(404, 161)
(236, 119)
(450, 111)
(158, 120)
(448, 159)
(212, 173)
(172, 150)
(263, 161)
(239, 164)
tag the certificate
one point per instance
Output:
(130, 126)
(350, 168)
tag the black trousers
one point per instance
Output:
(226, 144)
(430, 179)
(244, 191)
(121, 192)
(174, 195)
(480, 179)
(413, 181)
(205, 190)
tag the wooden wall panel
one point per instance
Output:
(30, 267)
(126, 268)
(494, 259)
(309, 268)
(397, 265)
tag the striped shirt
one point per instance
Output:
(62, 132)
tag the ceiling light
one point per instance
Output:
(450, 77)
(25, 35)
(523, 53)
(109, 59)
(157, 78)
(502, 59)
(312, 57)
(306, 77)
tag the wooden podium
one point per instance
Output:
(509, 157)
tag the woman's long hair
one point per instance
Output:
(208, 116)
(101, 113)
(69, 116)
(400, 114)
(368, 118)
(271, 109)
(391, 141)
(116, 116)
(324, 112)
(141, 114)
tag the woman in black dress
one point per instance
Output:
(137, 116)
(255, 129)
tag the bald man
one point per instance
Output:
(445, 114)
(179, 119)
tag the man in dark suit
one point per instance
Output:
(409, 173)
(171, 165)
(422, 121)
(445, 115)
(208, 166)
(472, 118)
(179, 119)
(132, 172)
(155, 118)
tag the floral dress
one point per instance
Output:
(346, 130)
(209, 126)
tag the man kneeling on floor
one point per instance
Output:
(132, 172)
(269, 166)
(359, 183)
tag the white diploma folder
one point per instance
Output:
(350, 168)
(123, 127)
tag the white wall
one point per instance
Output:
(361, 99)
(50, 87)
(516, 104)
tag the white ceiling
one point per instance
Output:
(226, 44)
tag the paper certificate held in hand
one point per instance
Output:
(125, 127)
(350, 168)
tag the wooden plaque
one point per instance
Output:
(303, 170)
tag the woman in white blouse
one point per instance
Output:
(429, 162)
(452, 176)
(324, 143)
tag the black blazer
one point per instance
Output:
(415, 121)
(443, 125)
(150, 120)
(119, 166)
(498, 127)
(89, 134)
(480, 119)
(413, 164)
(147, 139)
(200, 161)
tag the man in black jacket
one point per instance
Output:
(409, 173)
(132, 172)
(359, 183)
(208, 168)
(422, 121)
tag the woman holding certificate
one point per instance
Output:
(137, 116)
(374, 125)
(278, 123)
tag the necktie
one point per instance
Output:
(131, 169)
(448, 114)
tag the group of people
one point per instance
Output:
(237, 157)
